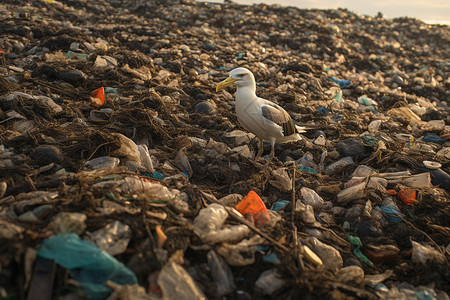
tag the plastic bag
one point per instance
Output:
(88, 264)
(176, 283)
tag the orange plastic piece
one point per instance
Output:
(98, 97)
(252, 204)
(161, 236)
(391, 192)
(408, 196)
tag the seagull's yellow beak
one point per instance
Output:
(227, 82)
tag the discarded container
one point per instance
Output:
(254, 206)
(97, 97)
(408, 196)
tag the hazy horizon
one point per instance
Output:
(434, 12)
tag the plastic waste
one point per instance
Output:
(352, 193)
(339, 165)
(422, 180)
(350, 274)
(356, 243)
(431, 164)
(377, 183)
(391, 213)
(432, 138)
(280, 205)
(382, 253)
(88, 264)
(307, 160)
(101, 162)
(42, 279)
(67, 222)
(9, 230)
(176, 283)
(350, 147)
(342, 83)
(363, 171)
(208, 225)
(269, 282)
(330, 257)
(113, 238)
(242, 253)
(320, 140)
(424, 255)
(146, 160)
(306, 212)
(374, 126)
(132, 185)
(408, 196)
(338, 96)
(253, 205)
(311, 256)
(128, 149)
(310, 197)
(182, 162)
(160, 236)
(440, 178)
(367, 101)
(221, 274)
(124, 292)
(97, 97)
(231, 199)
(434, 125)
(281, 180)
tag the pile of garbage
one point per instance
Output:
(124, 175)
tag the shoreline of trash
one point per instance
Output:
(124, 175)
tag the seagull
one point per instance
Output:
(265, 119)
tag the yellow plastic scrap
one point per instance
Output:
(311, 256)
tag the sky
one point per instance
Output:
(430, 11)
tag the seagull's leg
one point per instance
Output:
(272, 151)
(260, 150)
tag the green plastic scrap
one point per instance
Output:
(371, 141)
(356, 243)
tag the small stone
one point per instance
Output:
(46, 154)
(205, 108)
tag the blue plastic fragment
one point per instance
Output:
(342, 83)
(157, 175)
(426, 295)
(271, 258)
(432, 138)
(323, 110)
(89, 265)
(306, 169)
(390, 214)
(240, 56)
(110, 90)
(279, 205)
(208, 47)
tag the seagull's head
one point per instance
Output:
(240, 77)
